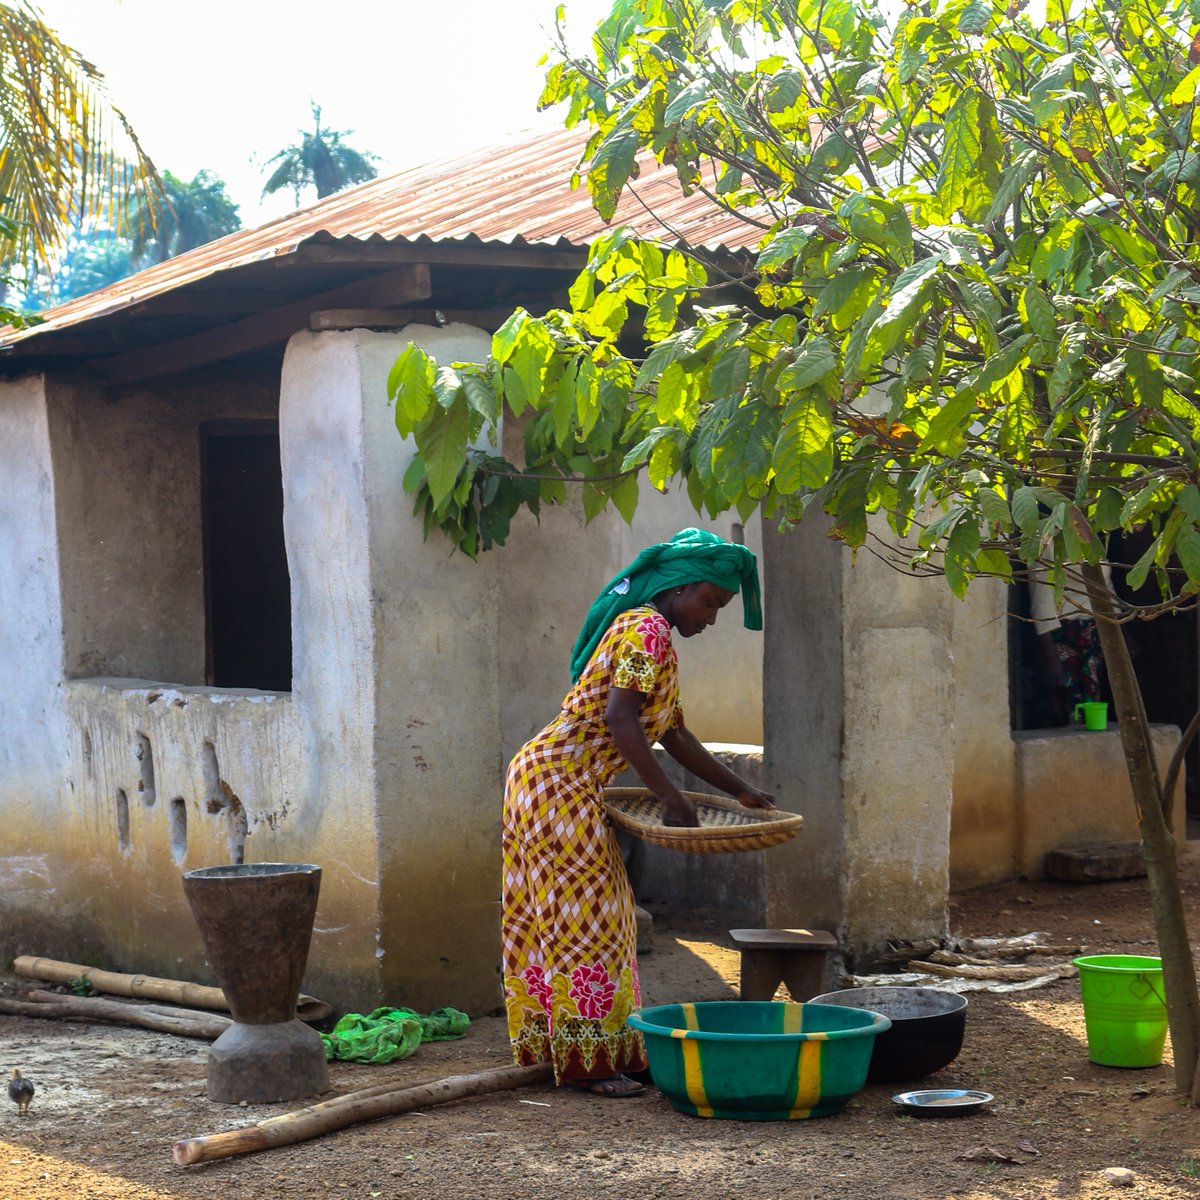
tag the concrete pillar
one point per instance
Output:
(983, 832)
(803, 698)
(858, 736)
(400, 685)
(32, 722)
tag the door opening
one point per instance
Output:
(247, 590)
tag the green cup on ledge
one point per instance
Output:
(1095, 714)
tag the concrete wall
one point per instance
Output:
(804, 687)
(127, 486)
(1072, 787)
(112, 786)
(549, 573)
(858, 709)
(1018, 795)
(163, 780)
(898, 752)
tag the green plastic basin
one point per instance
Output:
(758, 1060)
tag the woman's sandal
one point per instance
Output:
(614, 1087)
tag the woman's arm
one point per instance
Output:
(624, 724)
(687, 750)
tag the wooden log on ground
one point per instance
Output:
(352, 1109)
(182, 1021)
(999, 972)
(147, 987)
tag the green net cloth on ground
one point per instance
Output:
(390, 1033)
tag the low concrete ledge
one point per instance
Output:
(1072, 787)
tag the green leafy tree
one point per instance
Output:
(320, 160)
(65, 150)
(188, 215)
(91, 260)
(971, 308)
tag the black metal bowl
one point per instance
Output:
(926, 1033)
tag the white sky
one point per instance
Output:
(224, 84)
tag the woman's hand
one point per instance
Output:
(755, 798)
(678, 809)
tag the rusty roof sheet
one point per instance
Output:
(515, 193)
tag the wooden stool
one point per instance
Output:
(795, 957)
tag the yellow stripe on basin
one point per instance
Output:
(693, 1076)
(808, 1076)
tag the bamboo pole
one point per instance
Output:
(183, 1021)
(351, 1109)
(147, 987)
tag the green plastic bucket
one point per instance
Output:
(758, 1060)
(1123, 1009)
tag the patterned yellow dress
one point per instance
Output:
(570, 936)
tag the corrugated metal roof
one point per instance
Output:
(516, 193)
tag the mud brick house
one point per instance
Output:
(223, 637)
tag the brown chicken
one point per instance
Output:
(20, 1092)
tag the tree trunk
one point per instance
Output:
(1158, 840)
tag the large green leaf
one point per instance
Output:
(730, 372)
(505, 339)
(783, 246)
(1144, 378)
(410, 386)
(814, 361)
(961, 549)
(671, 387)
(783, 90)
(902, 306)
(481, 396)
(960, 153)
(1051, 90)
(1014, 183)
(947, 430)
(1187, 549)
(685, 100)
(803, 456)
(641, 452)
(1037, 312)
(845, 297)
(610, 168)
(442, 441)
(526, 367)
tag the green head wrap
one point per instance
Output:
(691, 556)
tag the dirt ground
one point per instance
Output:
(111, 1102)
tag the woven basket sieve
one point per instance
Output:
(724, 824)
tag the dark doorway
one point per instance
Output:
(1166, 658)
(247, 591)
(1165, 654)
(1028, 695)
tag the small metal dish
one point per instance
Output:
(942, 1102)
